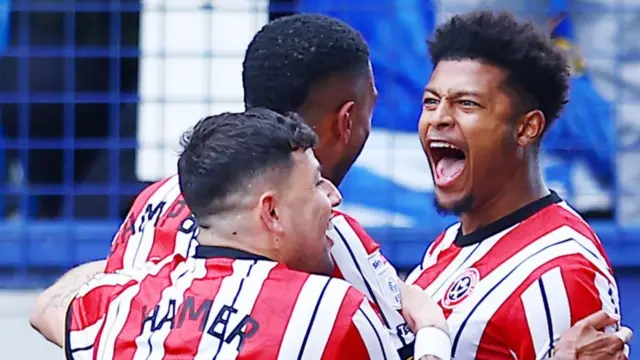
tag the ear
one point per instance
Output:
(269, 213)
(530, 128)
(345, 121)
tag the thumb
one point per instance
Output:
(404, 289)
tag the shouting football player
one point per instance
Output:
(521, 266)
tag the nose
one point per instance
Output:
(441, 118)
(335, 198)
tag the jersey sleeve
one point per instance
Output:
(158, 225)
(87, 312)
(553, 298)
(115, 260)
(359, 261)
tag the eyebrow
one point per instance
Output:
(456, 94)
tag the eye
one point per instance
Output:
(430, 103)
(468, 103)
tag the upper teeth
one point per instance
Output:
(441, 144)
(330, 226)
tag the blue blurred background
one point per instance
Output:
(94, 95)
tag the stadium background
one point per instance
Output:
(94, 94)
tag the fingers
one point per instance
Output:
(621, 355)
(599, 320)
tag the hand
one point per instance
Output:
(419, 309)
(587, 341)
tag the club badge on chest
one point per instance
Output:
(461, 288)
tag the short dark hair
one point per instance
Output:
(222, 153)
(291, 54)
(538, 71)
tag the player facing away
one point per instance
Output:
(318, 67)
(256, 286)
(521, 266)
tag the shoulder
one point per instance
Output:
(563, 232)
(130, 276)
(147, 193)
(323, 288)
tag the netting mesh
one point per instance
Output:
(94, 95)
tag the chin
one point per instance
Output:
(328, 268)
(318, 267)
(445, 205)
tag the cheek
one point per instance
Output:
(422, 125)
(361, 134)
(422, 129)
(490, 148)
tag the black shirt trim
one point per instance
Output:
(506, 222)
(207, 252)
(406, 352)
(67, 333)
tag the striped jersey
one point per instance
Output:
(222, 304)
(510, 289)
(160, 224)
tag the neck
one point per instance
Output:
(238, 240)
(330, 168)
(521, 189)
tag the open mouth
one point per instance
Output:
(327, 238)
(448, 162)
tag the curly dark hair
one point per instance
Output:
(538, 71)
(291, 54)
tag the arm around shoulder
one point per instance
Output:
(49, 313)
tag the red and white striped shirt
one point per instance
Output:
(222, 304)
(509, 290)
(159, 225)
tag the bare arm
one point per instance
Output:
(49, 312)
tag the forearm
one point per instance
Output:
(48, 315)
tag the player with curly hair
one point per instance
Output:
(521, 266)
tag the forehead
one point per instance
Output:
(466, 76)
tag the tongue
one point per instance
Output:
(449, 168)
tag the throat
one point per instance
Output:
(508, 199)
